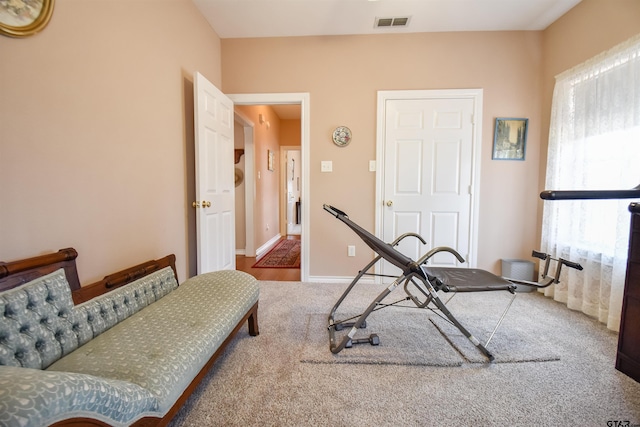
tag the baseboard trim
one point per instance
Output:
(262, 250)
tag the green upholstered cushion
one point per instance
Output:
(164, 346)
(38, 323)
(107, 310)
(34, 398)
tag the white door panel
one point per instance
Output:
(408, 222)
(428, 157)
(215, 188)
(408, 179)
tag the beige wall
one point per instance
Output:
(96, 123)
(96, 133)
(343, 75)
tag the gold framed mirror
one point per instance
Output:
(23, 18)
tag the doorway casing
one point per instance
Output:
(303, 100)
(476, 95)
(249, 180)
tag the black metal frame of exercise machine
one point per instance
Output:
(422, 284)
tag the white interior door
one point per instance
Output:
(215, 184)
(428, 149)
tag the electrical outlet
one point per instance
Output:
(326, 166)
(351, 250)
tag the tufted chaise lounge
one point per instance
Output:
(129, 356)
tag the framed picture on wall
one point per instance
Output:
(510, 138)
(270, 160)
(20, 18)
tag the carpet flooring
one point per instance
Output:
(263, 380)
(519, 338)
(406, 338)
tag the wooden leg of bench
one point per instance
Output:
(253, 321)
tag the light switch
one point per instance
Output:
(326, 166)
(372, 165)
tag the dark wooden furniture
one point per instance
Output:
(115, 280)
(628, 357)
(16, 273)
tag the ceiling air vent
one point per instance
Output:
(391, 22)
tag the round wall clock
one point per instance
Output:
(342, 136)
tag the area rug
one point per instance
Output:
(406, 338)
(517, 340)
(286, 254)
(410, 336)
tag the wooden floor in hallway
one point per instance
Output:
(245, 264)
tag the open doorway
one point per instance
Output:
(288, 167)
(290, 159)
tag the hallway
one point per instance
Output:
(277, 274)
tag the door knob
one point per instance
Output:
(389, 203)
(195, 204)
(206, 204)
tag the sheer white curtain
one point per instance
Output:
(594, 144)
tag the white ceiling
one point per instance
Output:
(284, 18)
(288, 18)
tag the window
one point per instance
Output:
(594, 144)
